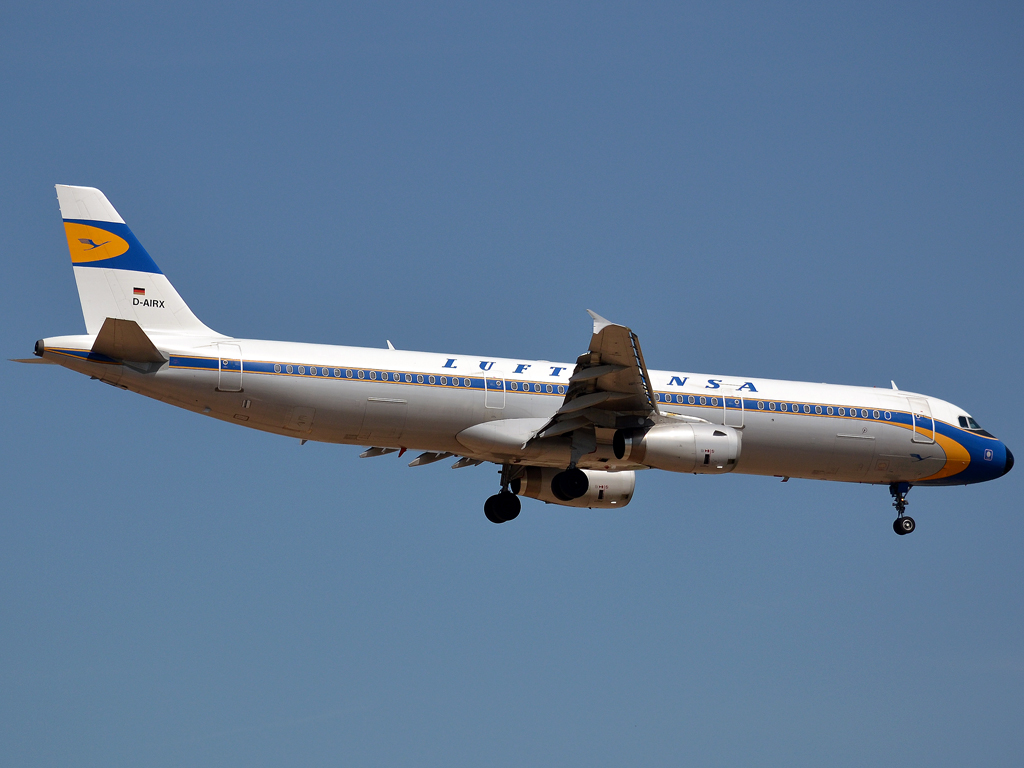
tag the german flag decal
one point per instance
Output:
(140, 291)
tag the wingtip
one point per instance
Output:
(600, 323)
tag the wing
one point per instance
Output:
(610, 386)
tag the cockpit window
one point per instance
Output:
(968, 422)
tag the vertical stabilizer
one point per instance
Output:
(116, 276)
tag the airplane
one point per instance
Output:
(572, 434)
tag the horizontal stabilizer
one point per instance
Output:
(125, 340)
(32, 361)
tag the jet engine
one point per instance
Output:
(607, 490)
(697, 448)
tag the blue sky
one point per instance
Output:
(795, 191)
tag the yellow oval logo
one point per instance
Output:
(88, 243)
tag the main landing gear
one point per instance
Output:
(902, 524)
(504, 505)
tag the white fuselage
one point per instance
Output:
(424, 401)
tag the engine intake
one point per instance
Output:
(698, 448)
(607, 490)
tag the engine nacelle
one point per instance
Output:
(608, 490)
(698, 448)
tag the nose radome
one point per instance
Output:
(1008, 465)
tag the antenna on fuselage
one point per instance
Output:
(894, 385)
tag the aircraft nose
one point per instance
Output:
(1008, 464)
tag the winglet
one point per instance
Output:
(600, 323)
(894, 385)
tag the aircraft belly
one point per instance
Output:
(835, 449)
(787, 446)
(108, 372)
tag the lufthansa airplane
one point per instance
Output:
(565, 433)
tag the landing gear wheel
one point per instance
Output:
(903, 525)
(511, 505)
(570, 484)
(502, 507)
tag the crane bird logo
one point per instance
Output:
(90, 243)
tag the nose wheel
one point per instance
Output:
(902, 524)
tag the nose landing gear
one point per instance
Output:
(903, 524)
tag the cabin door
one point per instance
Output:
(229, 368)
(924, 424)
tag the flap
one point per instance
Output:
(125, 340)
(609, 386)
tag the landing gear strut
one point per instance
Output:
(504, 505)
(903, 524)
(573, 483)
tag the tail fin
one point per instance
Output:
(116, 276)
